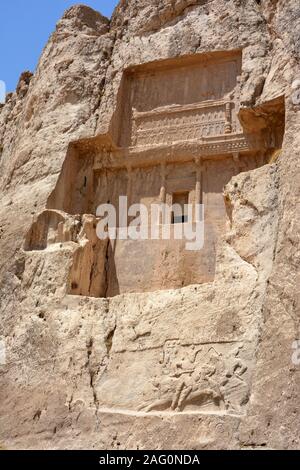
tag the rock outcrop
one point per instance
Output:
(212, 364)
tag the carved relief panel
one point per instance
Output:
(181, 101)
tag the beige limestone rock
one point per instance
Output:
(205, 366)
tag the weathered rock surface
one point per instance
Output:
(88, 372)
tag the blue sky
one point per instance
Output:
(25, 28)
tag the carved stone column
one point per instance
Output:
(237, 162)
(228, 118)
(163, 191)
(134, 132)
(129, 186)
(199, 184)
(162, 195)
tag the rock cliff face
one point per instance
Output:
(205, 366)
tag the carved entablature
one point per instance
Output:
(183, 123)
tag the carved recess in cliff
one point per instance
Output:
(177, 129)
